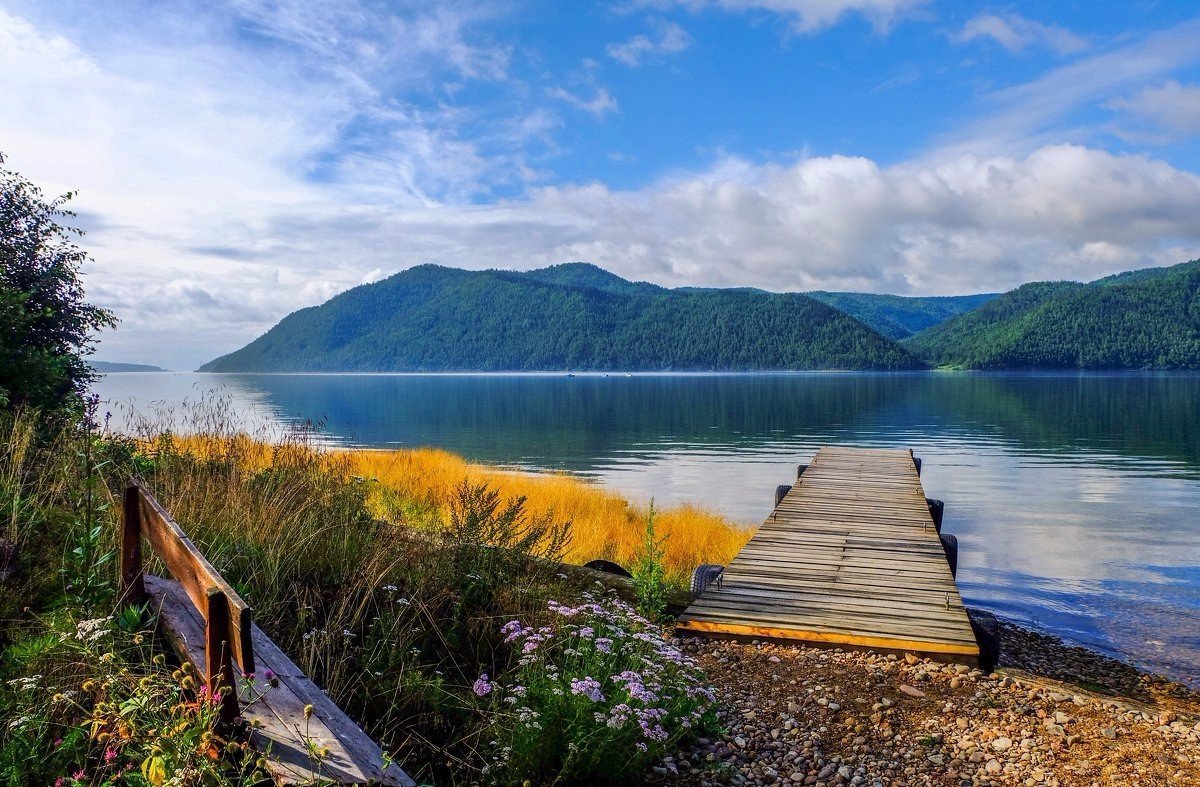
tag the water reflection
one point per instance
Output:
(1075, 497)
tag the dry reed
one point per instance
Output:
(416, 486)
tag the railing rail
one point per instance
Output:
(228, 620)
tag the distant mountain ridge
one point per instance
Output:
(577, 316)
(1145, 319)
(567, 317)
(109, 367)
(900, 316)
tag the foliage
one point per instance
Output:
(431, 318)
(649, 573)
(46, 326)
(596, 696)
(394, 618)
(1139, 320)
(85, 703)
(898, 316)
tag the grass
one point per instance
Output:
(416, 487)
(387, 576)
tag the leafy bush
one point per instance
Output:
(596, 694)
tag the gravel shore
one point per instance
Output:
(1050, 715)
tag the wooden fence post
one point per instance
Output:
(132, 588)
(218, 656)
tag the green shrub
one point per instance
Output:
(650, 573)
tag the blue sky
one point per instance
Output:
(237, 160)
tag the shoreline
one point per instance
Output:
(1052, 713)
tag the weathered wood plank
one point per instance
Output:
(850, 556)
(193, 571)
(322, 747)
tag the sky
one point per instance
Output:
(236, 160)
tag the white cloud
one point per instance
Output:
(1170, 106)
(599, 104)
(805, 16)
(671, 39)
(1017, 33)
(224, 188)
(1021, 117)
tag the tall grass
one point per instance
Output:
(386, 575)
(416, 487)
(410, 484)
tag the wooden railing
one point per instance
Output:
(227, 619)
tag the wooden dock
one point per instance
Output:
(850, 558)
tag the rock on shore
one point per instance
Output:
(805, 716)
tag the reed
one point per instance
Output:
(416, 487)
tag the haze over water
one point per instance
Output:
(1075, 498)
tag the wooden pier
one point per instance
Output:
(850, 557)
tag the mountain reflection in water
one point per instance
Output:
(1075, 497)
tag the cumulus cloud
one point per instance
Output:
(671, 39)
(805, 16)
(1017, 33)
(1171, 106)
(223, 191)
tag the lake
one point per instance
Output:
(1075, 497)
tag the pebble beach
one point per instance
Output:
(1050, 714)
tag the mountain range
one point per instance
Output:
(577, 316)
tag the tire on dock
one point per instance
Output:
(781, 492)
(987, 633)
(800, 470)
(705, 575)
(917, 464)
(608, 567)
(937, 510)
(950, 547)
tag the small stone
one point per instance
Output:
(773, 659)
(1109, 732)
(993, 766)
(910, 691)
(1002, 744)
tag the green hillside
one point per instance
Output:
(568, 317)
(1148, 319)
(899, 316)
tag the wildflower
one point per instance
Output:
(604, 644)
(482, 687)
(269, 675)
(110, 754)
(588, 687)
(308, 711)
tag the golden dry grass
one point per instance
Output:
(417, 486)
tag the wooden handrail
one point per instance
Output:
(228, 619)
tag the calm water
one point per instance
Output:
(1076, 498)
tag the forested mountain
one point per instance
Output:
(568, 317)
(899, 316)
(1148, 319)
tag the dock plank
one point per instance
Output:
(849, 557)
